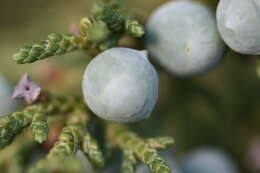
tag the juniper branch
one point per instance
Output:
(108, 24)
(11, 125)
(39, 126)
(70, 137)
(89, 145)
(110, 12)
(55, 44)
(134, 28)
(92, 151)
(66, 146)
(129, 162)
(161, 142)
(143, 150)
(98, 32)
(113, 18)
(85, 25)
(69, 142)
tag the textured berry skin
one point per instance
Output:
(208, 160)
(121, 85)
(183, 37)
(239, 26)
(7, 105)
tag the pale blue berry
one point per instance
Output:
(208, 160)
(7, 105)
(239, 25)
(183, 37)
(121, 85)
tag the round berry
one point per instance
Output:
(239, 26)
(183, 37)
(121, 85)
(208, 160)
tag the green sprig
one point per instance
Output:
(67, 143)
(55, 44)
(113, 18)
(100, 32)
(65, 147)
(11, 125)
(143, 150)
(134, 28)
(80, 119)
(70, 137)
(92, 151)
(84, 26)
(129, 162)
(39, 126)
(161, 142)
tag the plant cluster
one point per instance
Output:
(95, 34)
(120, 84)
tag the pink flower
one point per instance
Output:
(27, 90)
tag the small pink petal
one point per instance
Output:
(27, 90)
(74, 29)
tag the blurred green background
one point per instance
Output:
(220, 108)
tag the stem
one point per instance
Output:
(143, 150)
(69, 142)
(55, 44)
